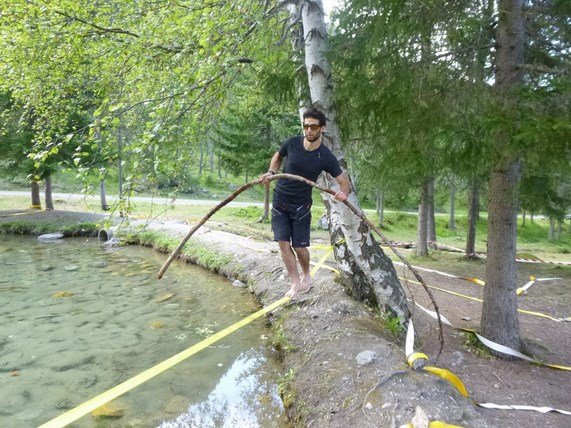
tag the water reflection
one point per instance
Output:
(242, 398)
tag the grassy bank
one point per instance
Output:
(399, 226)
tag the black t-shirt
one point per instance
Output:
(305, 163)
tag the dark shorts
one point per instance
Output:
(291, 222)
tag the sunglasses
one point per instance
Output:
(312, 127)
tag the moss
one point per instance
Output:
(27, 227)
(472, 344)
(286, 389)
(192, 251)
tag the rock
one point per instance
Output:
(177, 405)
(71, 268)
(419, 420)
(45, 268)
(156, 324)
(239, 284)
(109, 410)
(61, 294)
(366, 357)
(48, 237)
(98, 264)
(458, 358)
(164, 297)
(171, 306)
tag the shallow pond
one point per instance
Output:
(79, 317)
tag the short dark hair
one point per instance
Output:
(315, 114)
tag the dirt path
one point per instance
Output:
(336, 352)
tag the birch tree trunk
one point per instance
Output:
(422, 228)
(369, 274)
(500, 322)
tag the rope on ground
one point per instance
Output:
(359, 214)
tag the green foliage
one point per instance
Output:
(248, 213)
(394, 325)
(471, 343)
(195, 252)
(29, 227)
(286, 388)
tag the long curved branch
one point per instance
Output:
(359, 214)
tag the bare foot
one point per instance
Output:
(297, 289)
(305, 285)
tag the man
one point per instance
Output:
(307, 157)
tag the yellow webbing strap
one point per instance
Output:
(100, 400)
(449, 376)
(440, 424)
(415, 356)
(475, 299)
(321, 262)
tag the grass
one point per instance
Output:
(399, 226)
(193, 251)
(471, 343)
(21, 227)
(286, 389)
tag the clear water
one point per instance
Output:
(112, 320)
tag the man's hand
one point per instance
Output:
(265, 178)
(341, 196)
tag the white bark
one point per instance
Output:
(369, 273)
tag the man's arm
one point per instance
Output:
(275, 164)
(344, 187)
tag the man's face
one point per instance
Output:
(312, 129)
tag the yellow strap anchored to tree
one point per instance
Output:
(449, 376)
(475, 299)
(100, 400)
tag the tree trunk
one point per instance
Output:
(120, 160)
(36, 201)
(48, 193)
(211, 157)
(559, 229)
(369, 274)
(523, 219)
(500, 322)
(531, 218)
(103, 195)
(201, 160)
(452, 219)
(102, 191)
(266, 214)
(431, 223)
(381, 206)
(473, 205)
(551, 233)
(422, 228)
